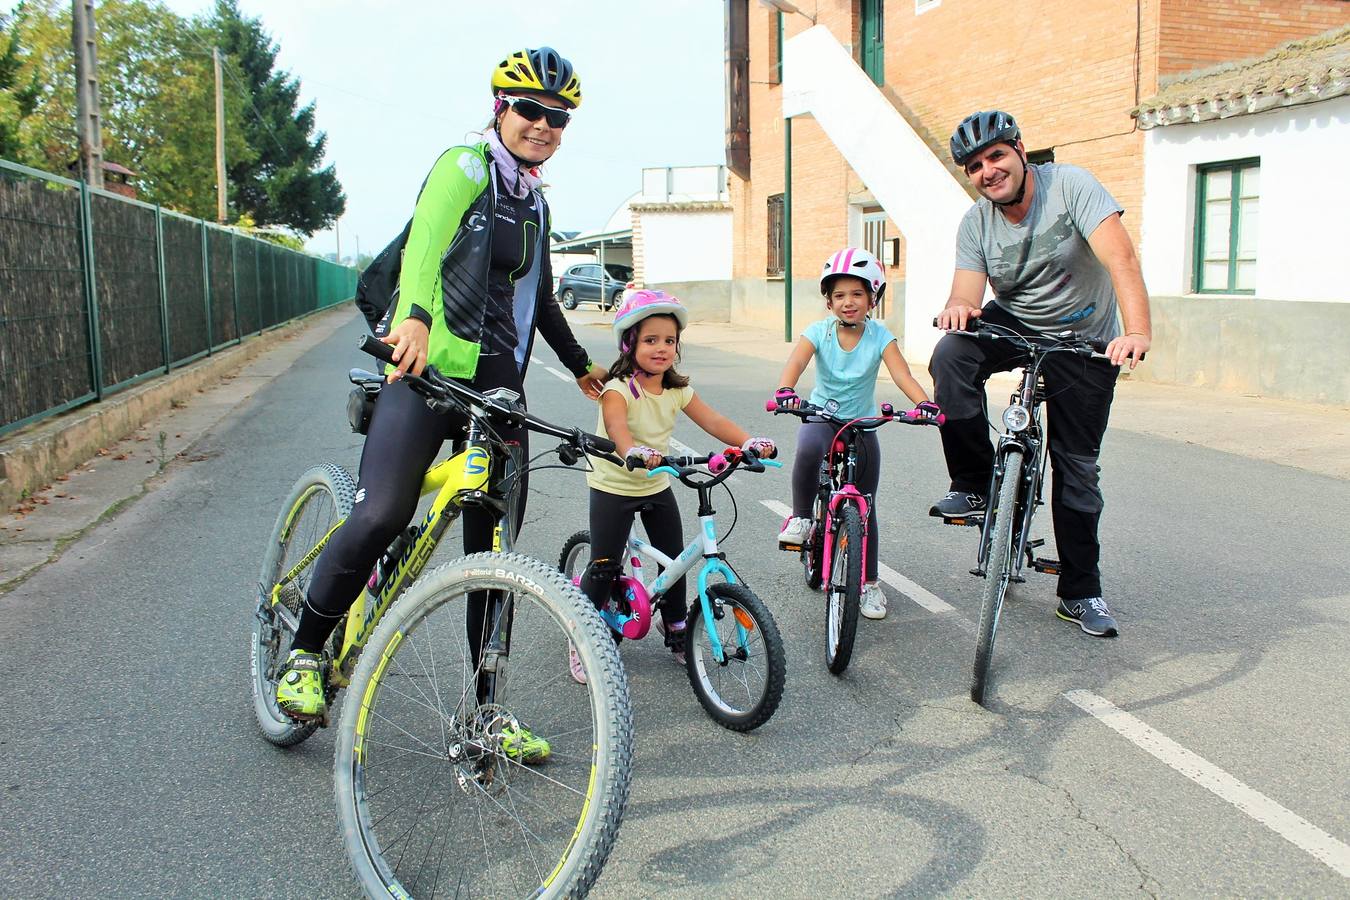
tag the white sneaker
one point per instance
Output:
(794, 532)
(873, 604)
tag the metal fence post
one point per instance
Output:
(163, 287)
(234, 287)
(90, 292)
(206, 286)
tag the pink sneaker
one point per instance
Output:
(574, 665)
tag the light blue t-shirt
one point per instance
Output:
(847, 376)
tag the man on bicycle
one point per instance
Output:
(1049, 241)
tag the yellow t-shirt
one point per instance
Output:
(651, 421)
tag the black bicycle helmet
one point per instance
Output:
(541, 71)
(980, 130)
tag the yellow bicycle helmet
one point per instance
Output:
(541, 71)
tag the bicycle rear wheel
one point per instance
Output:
(319, 500)
(439, 793)
(575, 556)
(997, 571)
(844, 591)
(742, 691)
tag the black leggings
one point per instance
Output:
(404, 438)
(612, 520)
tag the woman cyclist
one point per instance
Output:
(475, 284)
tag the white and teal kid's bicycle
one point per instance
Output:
(733, 651)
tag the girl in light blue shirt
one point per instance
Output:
(849, 348)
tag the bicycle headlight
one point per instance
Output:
(1016, 418)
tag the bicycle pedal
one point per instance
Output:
(971, 521)
(1017, 579)
(977, 572)
(791, 548)
(1046, 565)
(1035, 542)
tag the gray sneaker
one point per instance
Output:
(1091, 615)
(958, 505)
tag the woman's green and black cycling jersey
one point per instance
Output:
(445, 280)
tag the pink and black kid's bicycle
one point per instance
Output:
(836, 540)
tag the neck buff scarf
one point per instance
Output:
(517, 176)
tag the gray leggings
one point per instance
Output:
(813, 441)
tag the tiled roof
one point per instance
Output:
(1303, 71)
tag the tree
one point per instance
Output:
(156, 87)
(282, 184)
(18, 97)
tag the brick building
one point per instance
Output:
(1070, 71)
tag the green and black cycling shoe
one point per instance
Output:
(523, 745)
(300, 689)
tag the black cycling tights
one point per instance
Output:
(403, 441)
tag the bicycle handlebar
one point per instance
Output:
(439, 389)
(724, 464)
(810, 412)
(1045, 343)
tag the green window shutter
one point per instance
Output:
(1227, 218)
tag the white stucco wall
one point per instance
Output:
(1301, 239)
(686, 246)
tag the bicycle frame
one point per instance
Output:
(672, 570)
(458, 481)
(841, 491)
(1029, 395)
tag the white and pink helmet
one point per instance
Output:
(642, 303)
(859, 263)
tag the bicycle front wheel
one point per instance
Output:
(741, 692)
(997, 571)
(444, 790)
(321, 499)
(844, 591)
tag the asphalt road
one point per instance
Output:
(1201, 753)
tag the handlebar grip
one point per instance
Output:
(376, 348)
(596, 442)
(770, 406)
(971, 327)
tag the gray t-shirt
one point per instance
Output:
(1042, 269)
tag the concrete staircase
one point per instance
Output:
(910, 181)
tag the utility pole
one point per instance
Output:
(220, 140)
(90, 125)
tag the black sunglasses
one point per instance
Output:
(533, 111)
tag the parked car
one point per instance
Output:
(582, 284)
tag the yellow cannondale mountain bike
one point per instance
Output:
(431, 797)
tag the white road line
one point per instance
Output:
(781, 509)
(681, 448)
(563, 375)
(1288, 825)
(929, 601)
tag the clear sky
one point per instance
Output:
(396, 82)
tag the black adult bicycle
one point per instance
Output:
(1006, 545)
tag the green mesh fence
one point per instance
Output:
(98, 292)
